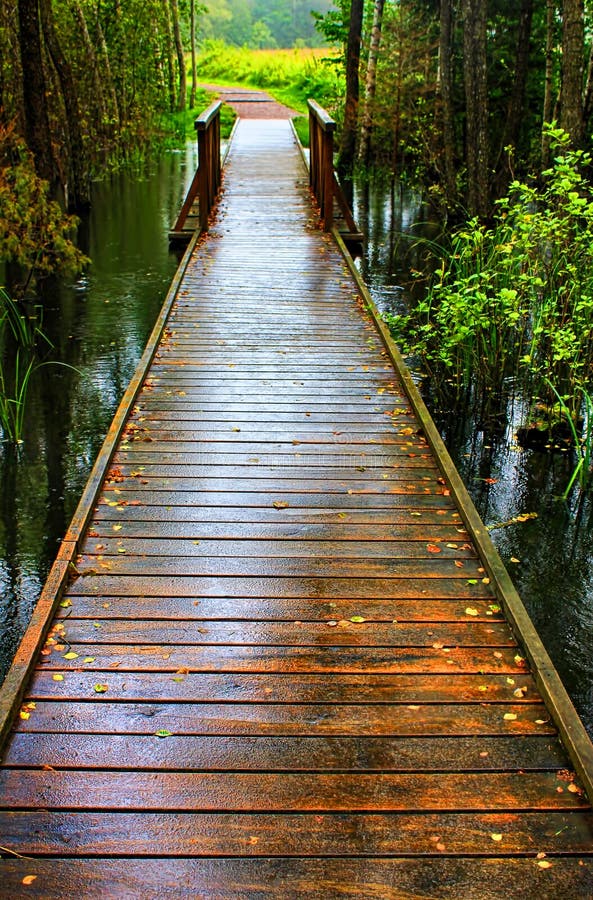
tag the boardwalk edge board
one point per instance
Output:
(16, 680)
(571, 729)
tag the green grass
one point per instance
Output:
(290, 76)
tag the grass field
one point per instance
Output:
(290, 76)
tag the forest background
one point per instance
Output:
(485, 105)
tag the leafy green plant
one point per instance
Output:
(34, 231)
(511, 303)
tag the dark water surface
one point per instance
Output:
(100, 325)
(550, 558)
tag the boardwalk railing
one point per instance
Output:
(206, 181)
(322, 177)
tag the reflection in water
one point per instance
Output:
(550, 558)
(99, 325)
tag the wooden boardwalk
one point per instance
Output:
(280, 667)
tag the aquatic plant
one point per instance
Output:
(20, 336)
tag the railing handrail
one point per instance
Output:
(321, 115)
(321, 160)
(205, 118)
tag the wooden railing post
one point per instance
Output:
(322, 178)
(206, 181)
(207, 126)
(321, 173)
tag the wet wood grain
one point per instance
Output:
(280, 666)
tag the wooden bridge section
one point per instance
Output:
(280, 664)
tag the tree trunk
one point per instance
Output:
(476, 105)
(182, 95)
(108, 76)
(194, 73)
(78, 190)
(348, 140)
(516, 105)
(446, 93)
(37, 130)
(371, 83)
(573, 44)
(170, 57)
(99, 95)
(548, 110)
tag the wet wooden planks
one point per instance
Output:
(280, 668)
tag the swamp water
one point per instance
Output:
(100, 325)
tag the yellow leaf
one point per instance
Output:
(24, 715)
(470, 611)
(70, 655)
(280, 504)
(117, 527)
(89, 659)
(510, 717)
(58, 677)
(496, 837)
(544, 864)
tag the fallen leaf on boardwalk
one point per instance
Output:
(24, 714)
(496, 837)
(519, 660)
(280, 504)
(514, 560)
(356, 619)
(544, 864)
(497, 654)
(332, 623)
(101, 688)
(117, 527)
(89, 659)
(432, 548)
(520, 692)
(413, 708)
(178, 678)
(58, 677)
(66, 603)
(453, 546)
(574, 788)
(470, 611)
(510, 717)
(472, 580)
(70, 655)
(163, 733)
(29, 879)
